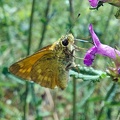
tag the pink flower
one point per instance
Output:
(98, 3)
(98, 48)
(93, 3)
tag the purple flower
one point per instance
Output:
(98, 48)
(95, 3)
(118, 70)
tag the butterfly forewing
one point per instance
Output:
(23, 67)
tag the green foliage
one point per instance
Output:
(92, 100)
(88, 74)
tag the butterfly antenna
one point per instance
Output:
(85, 41)
(73, 24)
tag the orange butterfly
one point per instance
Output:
(50, 66)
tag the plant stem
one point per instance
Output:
(74, 80)
(30, 27)
(26, 105)
(74, 98)
(45, 23)
(108, 95)
(71, 19)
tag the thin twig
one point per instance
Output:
(74, 80)
(108, 95)
(45, 23)
(30, 28)
(26, 106)
(71, 15)
(34, 98)
(74, 98)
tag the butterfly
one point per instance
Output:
(50, 66)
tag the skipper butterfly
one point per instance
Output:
(50, 66)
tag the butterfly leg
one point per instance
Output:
(70, 65)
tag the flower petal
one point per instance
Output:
(108, 51)
(94, 36)
(89, 56)
(93, 3)
(99, 48)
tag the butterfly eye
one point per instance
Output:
(65, 42)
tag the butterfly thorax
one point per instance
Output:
(64, 49)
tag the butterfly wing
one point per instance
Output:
(23, 67)
(49, 72)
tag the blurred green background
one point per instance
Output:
(26, 26)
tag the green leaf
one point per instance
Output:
(87, 74)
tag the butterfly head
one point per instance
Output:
(67, 41)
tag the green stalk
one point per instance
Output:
(26, 105)
(74, 98)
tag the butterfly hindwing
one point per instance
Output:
(49, 72)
